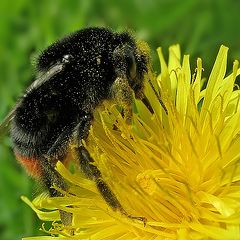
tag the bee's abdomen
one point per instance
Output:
(32, 165)
(27, 140)
(30, 147)
(27, 134)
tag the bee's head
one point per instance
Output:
(138, 63)
(132, 60)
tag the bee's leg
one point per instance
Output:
(59, 149)
(51, 178)
(92, 172)
(57, 152)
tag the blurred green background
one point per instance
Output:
(28, 26)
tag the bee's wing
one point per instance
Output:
(43, 78)
(6, 121)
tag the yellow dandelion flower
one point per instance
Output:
(180, 170)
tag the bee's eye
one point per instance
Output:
(132, 66)
(131, 63)
(67, 58)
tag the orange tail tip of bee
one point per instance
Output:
(32, 165)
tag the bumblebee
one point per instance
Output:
(75, 75)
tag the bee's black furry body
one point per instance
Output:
(92, 65)
(71, 94)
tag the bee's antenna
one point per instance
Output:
(158, 97)
(147, 104)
